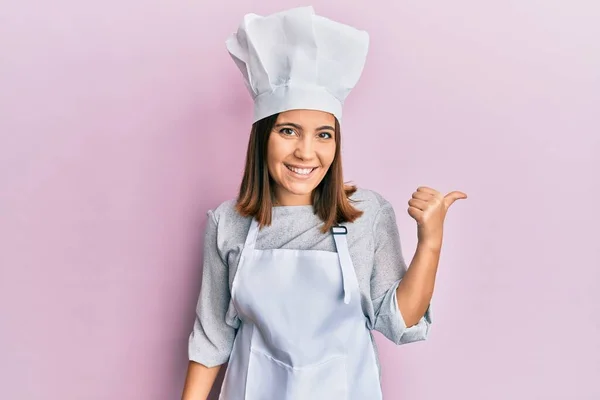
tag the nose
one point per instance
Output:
(305, 149)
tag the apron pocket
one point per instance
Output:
(270, 379)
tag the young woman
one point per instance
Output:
(300, 267)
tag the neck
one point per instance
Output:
(290, 199)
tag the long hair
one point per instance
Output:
(330, 199)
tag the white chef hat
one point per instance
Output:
(295, 59)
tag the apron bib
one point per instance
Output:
(303, 334)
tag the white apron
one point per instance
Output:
(303, 334)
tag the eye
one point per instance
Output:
(325, 135)
(287, 131)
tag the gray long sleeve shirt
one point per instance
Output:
(375, 249)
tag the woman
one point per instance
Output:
(300, 267)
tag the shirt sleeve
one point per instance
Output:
(388, 270)
(211, 340)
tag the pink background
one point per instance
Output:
(122, 122)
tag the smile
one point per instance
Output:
(300, 171)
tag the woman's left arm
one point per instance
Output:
(428, 207)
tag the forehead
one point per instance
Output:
(306, 118)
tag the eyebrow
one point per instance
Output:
(321, 128)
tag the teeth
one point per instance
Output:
(301, 171)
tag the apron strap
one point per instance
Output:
(251, 237)
(339, 235)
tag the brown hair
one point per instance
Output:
(330, 198)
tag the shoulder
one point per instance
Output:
(226, 214)
(379, 216)
(369, 201)
(374, 207)
(228, 226)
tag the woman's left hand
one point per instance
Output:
(429, 207)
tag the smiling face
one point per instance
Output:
(300, 151)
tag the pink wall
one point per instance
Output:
(122, 122)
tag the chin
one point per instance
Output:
(300, 190)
